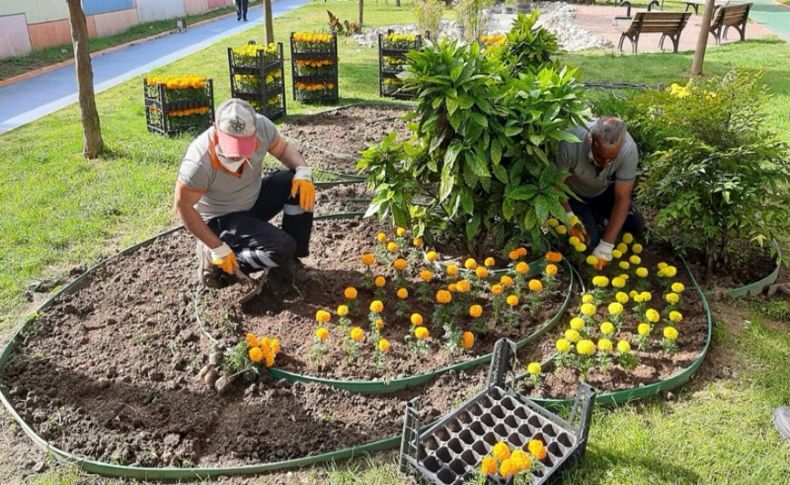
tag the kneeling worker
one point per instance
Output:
(602, 170)
(224, 202)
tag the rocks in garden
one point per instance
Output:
(211, 377)
(222, 384)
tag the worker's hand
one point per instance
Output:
(303, 185)
(576, 228)
(603, 251)
(225, 258)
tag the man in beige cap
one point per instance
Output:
(222, 198)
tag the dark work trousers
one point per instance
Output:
(596, 211)
(241, 9)
(258, 244)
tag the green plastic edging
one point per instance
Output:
(673, 381)
(752, 289)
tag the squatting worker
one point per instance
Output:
(222, 199)
(602, 170)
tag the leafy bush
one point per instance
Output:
(429, 15)
(479, 162)
(720, 176)
(528, 47)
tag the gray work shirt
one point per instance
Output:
(584, 181)
(225, 192)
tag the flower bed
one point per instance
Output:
(392, 60)
(314, 67)
(177, 104)
(256, 75)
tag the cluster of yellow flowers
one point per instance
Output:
(263, 349)
(251, 50)
(314, 86)
(400, 39)
(188, 111)
(315, 63)
(178, 82)
(493, 39)
(312, 37)
(508, 463)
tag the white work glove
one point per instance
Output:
(224, 257)
(302, 184)
(603, 251)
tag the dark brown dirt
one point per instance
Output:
(335, 264)
(653, 363)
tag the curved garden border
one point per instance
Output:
(754, 288)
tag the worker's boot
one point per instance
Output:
(293, 271)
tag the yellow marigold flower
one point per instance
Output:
(642, 272)
(551, 270)
(402, 293)
(522, 268)
(591, 260)
(678, 287)
(662, 265)
(470, 263)
(615, 308)
(636, 248)
(537, 449)
(577, 323)
(607, 328)
(497, 289)
(481, 272)
(643, 329)
(646, 296)
(618, 282)
(431, 256)
(368, 259)
(622, 247)
(506, 281)
(376, 306)
(670, 333)
(383, 345)
(652, 315)
(381, 237)
(417, 242)
(463, 286)
(342, 310)
(572, 335)
(392, 247)
(252, 340)
(452, 270)
(562, 230)
(553, 256)
(379, 323)
(350, 293)
(624, 265)
(585, 347)
(357, 334)
(623, 346)
(600, 281)
(426, 275)
(634, 294)
(574, 241)
(475, 311)
(506, 468)
(604, 345)
(588, 309)
(400, 231)
(513, 255)
(616, 254)
(621, 297)
(452, 287)
(444, 297)
(501, 451)
(587, 298)
(520, 460)
(675, 316)
(672, 298)
(635, 259)
(489, 262)
(255, 354)
(322, 333)
(400, 264)
(421, 333)
(534, 368)
(535, 285)
(467, 340)
(380, 281)
(416, 319)
(512, 300)
(562, 345)
(628, 238)
(553, 222)
(489, 466)
(580, 247)
(323, 316)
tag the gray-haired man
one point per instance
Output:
(602, 170)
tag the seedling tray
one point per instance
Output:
(268, 98)
(450, 452)
(389, 73)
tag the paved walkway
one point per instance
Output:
(30, 99)
(774, 16)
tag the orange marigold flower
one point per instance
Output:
(380, 281)
(537, 449)
(426, 275)
(376, 306)
(350, 293)
(522, 268)
(513, 255)
(489, 465)
(489, 262)
(383, 345)
(501, 451)
(379, 323)
(444, 297)
(368, 259)
(452, 270)
(512, 300)
(475, 311)
(481, 272)
(463, 286)
(431, 256)
(402, 293)
(467, 340)
(416, 319)
(255, 354)
(551, 269)
(497, 289)
(357, 334)
(400, 264)
(553, 257)
(252, 340)
(522, 251)
(470, 263)
(535, 285)
(421, 333)
(506, 281)
(323, 316)
(322, 333)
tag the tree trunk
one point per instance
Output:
(82, 63)
(267, 15)
(702, 41)
(361, 9)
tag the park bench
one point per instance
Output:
(668, 24)
(731, 16)
(696, 4)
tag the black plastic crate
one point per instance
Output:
(451, 451)
(392, 60)
(172, 111)
(314, 71)
(259, 80)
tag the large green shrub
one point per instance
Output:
(528, 47)
(720, 176)
(479, 163)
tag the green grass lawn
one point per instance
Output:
(15, 65)
(61, 211)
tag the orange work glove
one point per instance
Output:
(302, 184)
(225, 258)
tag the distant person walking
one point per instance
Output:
(241, 9)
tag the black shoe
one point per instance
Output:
(291, 272)
(245, 19)
(238, 19)
(781, 419)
